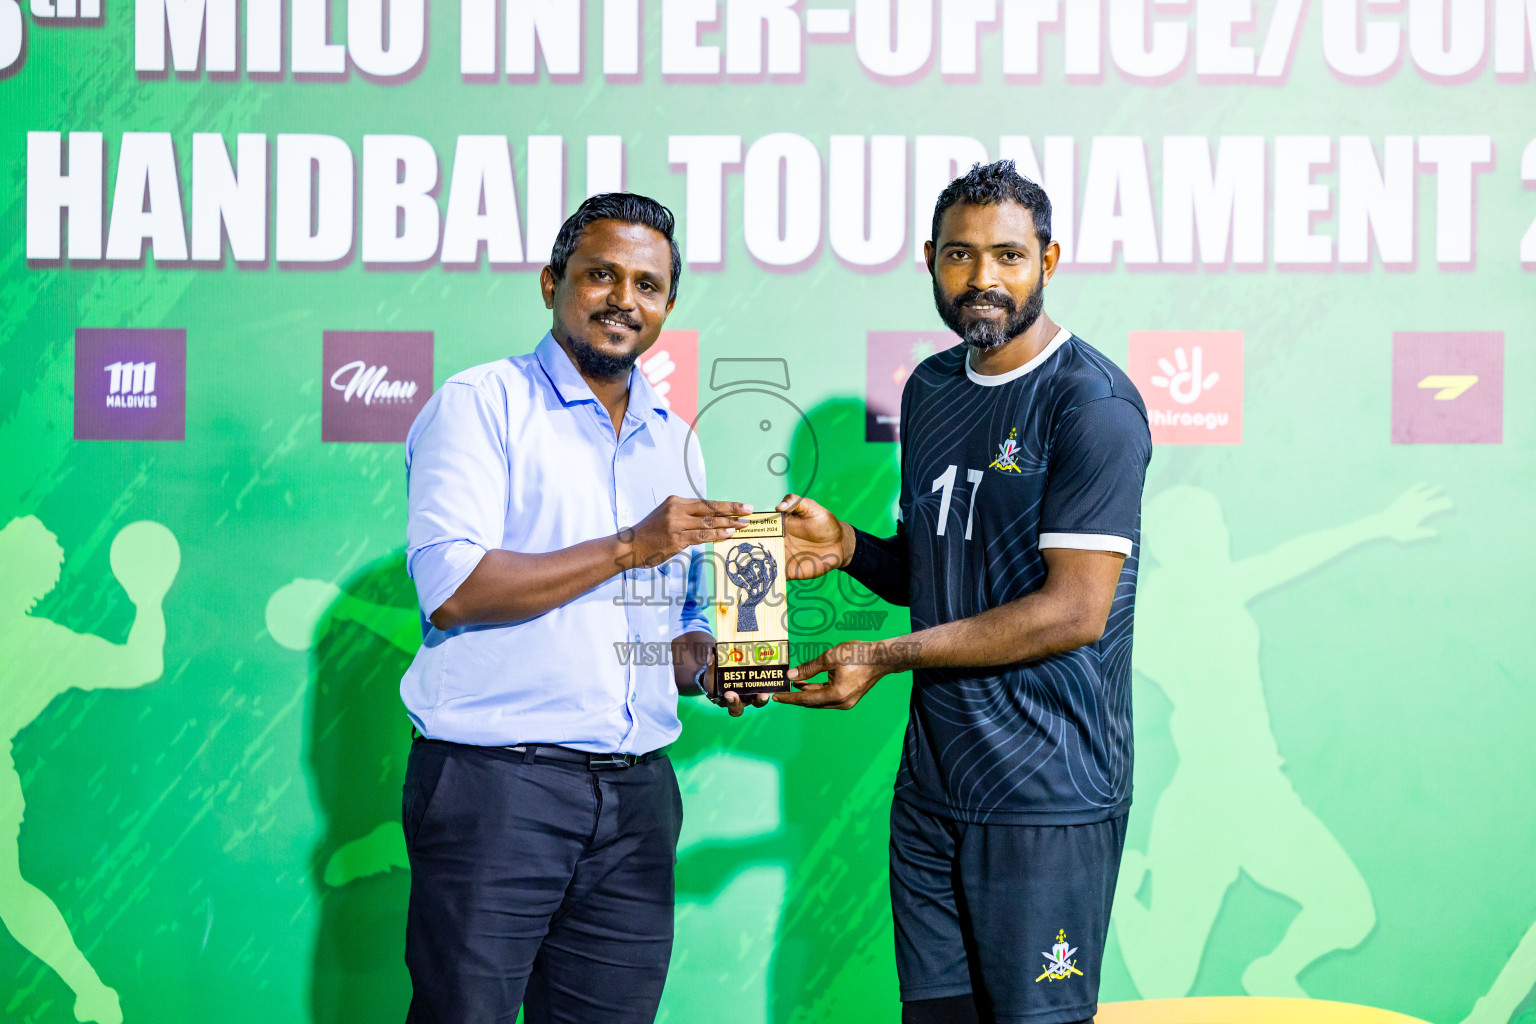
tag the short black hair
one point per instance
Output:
(997, 182)
(628, 207)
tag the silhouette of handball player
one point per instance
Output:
(39, 660)
(295, 614)
(1229, 806)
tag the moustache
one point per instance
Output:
(620, 318)
(990, 298)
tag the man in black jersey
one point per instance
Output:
(1023, 456)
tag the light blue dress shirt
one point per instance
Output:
(520, 455)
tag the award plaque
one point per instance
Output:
(752, 641)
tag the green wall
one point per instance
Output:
(209, 836)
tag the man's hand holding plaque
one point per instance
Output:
(815, 540)
(709, 685)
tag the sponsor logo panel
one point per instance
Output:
(130, 384)
(890, 358)
(1448, 387)
(373, 384)
(1192, 384)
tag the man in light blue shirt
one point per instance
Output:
(560, 575)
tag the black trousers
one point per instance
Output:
(543, 883)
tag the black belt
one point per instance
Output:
(592, 762)
(533, 752)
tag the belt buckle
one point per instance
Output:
(597, 764)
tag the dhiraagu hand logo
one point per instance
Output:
(672, 368)
(1185, 378)
(1192, 384)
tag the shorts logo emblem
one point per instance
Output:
(1008, 454)
(1059, 964)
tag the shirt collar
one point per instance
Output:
(572, 388)
(994, 379)
(644, 398)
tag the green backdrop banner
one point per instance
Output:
(243, 241)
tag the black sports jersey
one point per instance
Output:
(993, 469)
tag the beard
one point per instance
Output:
(985, 335)
(595, 363)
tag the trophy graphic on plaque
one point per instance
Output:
(752, 641)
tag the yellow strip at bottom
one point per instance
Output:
(1246, 1010)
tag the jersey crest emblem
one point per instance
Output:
(1059, 964)
(1008, 454)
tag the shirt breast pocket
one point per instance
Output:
(657, 586)
(643, 578)
(658, 573)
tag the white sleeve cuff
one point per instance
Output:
(1086, 542)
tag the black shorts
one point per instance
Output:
(1016, 914)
